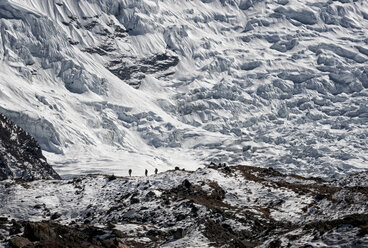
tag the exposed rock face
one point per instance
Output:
(20, 154)
(49, 234)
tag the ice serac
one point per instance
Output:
(20, 155)
(143, 84)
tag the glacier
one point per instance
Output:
(108, 85)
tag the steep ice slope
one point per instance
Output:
(107, 85)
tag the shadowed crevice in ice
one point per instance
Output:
(134, 70)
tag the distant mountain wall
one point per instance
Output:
(108, 85)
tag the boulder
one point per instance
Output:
(186, 184)
(19, 242)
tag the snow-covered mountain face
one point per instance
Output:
(20, 155)
(107, 85)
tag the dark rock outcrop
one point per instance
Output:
(48, 234)
(20, 155)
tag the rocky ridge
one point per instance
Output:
(20, 155)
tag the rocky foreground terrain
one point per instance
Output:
(217, 206)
